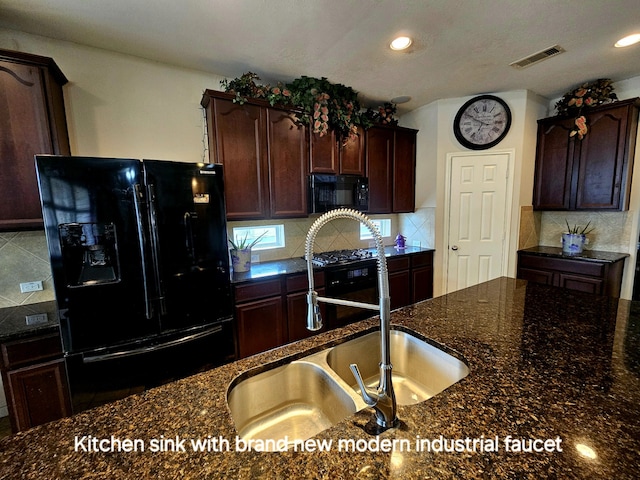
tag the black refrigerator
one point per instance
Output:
(140, 267)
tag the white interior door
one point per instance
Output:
(479, 199)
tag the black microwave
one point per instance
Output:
(327, 192)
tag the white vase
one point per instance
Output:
(241, 260)
(573, 243)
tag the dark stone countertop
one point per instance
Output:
(545, 363)
(587, 255)
(288, 266)
(28, 321)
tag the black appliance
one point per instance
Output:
(327, 192)
(140, 267)
(349, 275)
(341, 257)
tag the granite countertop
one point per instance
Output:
(288, 266)
(587, 255)
(28, 321)
(545, 363)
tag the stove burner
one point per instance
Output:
(340, 256)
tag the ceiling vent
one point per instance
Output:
(538, 57)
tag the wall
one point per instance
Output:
(436, 140)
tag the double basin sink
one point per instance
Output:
(304, 397)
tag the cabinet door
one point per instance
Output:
(379, 153)
(554, 165)
(24, 132)
(261, 326)
(328, 156)
(582, 284)
(324, 153)
(400, 289)
(602, 161)
(352, 155)
(297, 315)
(421, 277)
(238, 142)
(404, 172)
(538, 276)
(38, 394)
(288, 157)
(422, 284)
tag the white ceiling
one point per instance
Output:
(461, 47)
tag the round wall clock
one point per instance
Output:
(482, 122)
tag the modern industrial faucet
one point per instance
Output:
(383, 400)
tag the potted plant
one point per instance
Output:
(574, 240)
(587, 95)
(241, 253)
(326, 106)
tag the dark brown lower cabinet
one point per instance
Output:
(259, 313)
(399, 282)
(421, 277)
(297, 288)
(589, 276)
(35, 380)
(410, 279)
(271, 313)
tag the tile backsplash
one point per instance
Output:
(336, 235)
(611, 230)
(24, 258)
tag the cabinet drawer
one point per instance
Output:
(422, 260)
(23, 352)
(397, 264)
(256, 290)
(580, 267)
(296, 283)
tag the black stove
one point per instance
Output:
(340, 257)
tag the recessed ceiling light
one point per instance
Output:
(628, 40)
(400, 43)
(401, 99)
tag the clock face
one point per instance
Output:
(482, 122)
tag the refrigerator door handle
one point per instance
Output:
(188, 226)
(155, 246)
(151, 348)
(139, 201)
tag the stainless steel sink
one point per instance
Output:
(420, 370)
(300, 399)
(297, 401)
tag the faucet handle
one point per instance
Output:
(368, 398)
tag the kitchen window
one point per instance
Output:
(273, 236)
(384, 227)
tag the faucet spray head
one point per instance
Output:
(314, 319)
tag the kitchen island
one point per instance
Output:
(550, 370)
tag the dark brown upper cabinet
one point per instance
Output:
(32, 121)
(391, 168)
(589, 174)
(330, 156)
(265, 154)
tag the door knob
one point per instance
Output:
(454, 248)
